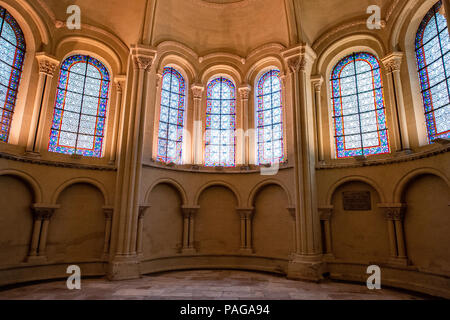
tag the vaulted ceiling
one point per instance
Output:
(238, 26)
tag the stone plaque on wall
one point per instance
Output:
(357, 201)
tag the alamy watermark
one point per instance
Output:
(74, 280)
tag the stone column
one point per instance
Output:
(119, 83)
(125, 264)
(325, 216)
(140, 229)
(108, 212)
(317, 82)
(188, 229)
(392, 63)
(307, 263)
(292, 213)
(41, 214)
(47, 67)
(197, 139)
(244, 94)
(395, 214)
(246, 215)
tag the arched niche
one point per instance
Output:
(16, 219)
(163, 222)
(426, 221)
(217, 224)
(358, 235)
(272, 223)
(77, 227)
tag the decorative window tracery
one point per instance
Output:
(358, 106)
(269, 115)
(80, 110)
(433, 60)
(12, 53)
(220, 123)
(171, 120)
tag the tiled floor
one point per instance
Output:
(205, 285)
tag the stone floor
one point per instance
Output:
(205, 285)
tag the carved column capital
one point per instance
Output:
(189, 212)
(143, 57)
(119, 83)
(47, 64)
(317, 82)
(108, 212)
(245, 213)
(244, 91)
(299, 58)
(395, 211)
(142, 210)
(325, 213)
(197, 91)
(393, 61)
(43, 211)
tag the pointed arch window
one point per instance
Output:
(171, 119)
(12, 53)
(80, 110)
(433, 60)
(220, 123)
(358, 107)
(269, 114)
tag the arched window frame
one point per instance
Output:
(340, 135)
(265, 105)
(12, 71)
(434, 22)
(180, 109)
(55, 143)
(210, 113)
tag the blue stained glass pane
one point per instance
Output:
(220, 123)
(433, 62)
(171, 119)
(80, 109)
(269, 113)
(12, 52)
(358, 106)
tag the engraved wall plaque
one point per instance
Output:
(357, 201)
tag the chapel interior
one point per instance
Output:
(307, 139)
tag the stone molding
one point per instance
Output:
(43, 211)
(393, 61)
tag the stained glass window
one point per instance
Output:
(433, 59)
(358, 106)
(80, 109)
(220, 123)
(171, 120)
(12, 52)
(269, 114)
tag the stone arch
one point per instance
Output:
(86, 180)
(345, 180)
(219, 184)
(172, 183)
(28, 179)
(406, 179)
(254, 192)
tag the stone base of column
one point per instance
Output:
(396, 261)
(328, 257)
(309, 268)
(188, 251)
(246, 251)
(124, 268)
(37, 259)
